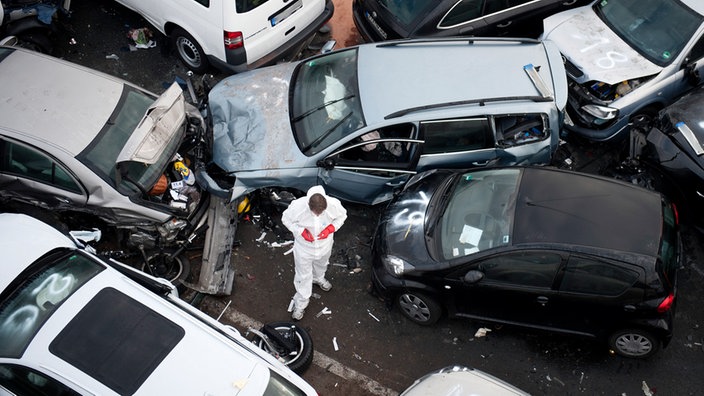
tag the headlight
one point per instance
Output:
(600, 112)
(395, 265)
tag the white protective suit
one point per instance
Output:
(311, 258)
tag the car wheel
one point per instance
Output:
(189, 51)
(643, 119)
(634, 343)
(162, 265)
(419, 308)
(300, 359)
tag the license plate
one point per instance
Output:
(285, 12)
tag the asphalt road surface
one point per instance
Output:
(378, 351)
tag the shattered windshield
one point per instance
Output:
(479, 212)
(658, 29)
(407, 11)
(101, 155)
(325, 101)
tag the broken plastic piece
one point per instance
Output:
(482, 332)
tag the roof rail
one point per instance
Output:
(468, 40)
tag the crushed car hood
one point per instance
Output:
(587, 42)
(157, 128)
(251, 127)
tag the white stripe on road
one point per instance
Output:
(323, 361)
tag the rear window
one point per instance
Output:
(407, 11)
(242, 6)
(117, 340)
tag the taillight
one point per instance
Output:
(233, 40)
(677, 214)
(666, 304)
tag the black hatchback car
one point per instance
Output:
(379, 20)
(536, 247)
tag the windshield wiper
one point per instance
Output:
(322, 106)
(326, 133)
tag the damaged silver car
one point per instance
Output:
(361, 120)
(82, 149)
(626, 60)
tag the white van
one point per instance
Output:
(234, 35)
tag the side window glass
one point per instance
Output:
(25, 381)
(583, 275)
(247, 5)
(451, 136)
(463, 11)
(381, 146)
(27, 162)
(513, 130)
(204, 3)
(536, 269)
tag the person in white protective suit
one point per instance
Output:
(312, 219)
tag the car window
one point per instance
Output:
(451, 136)
(536, 269)
(669, 245)
(380, 145)
(589, 276)
(658, 30)
(22, 380)
(513, 130)
(247, 5)
(325, 101)
(24, 161)
(36, 294)
(407, 11)
(697, 51)
(463, 11)
(205, 3)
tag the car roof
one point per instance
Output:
(54, 101)
(399, 75)
(554, 206)
(36, 239)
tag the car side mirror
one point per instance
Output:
(473, 276)
(327, 164)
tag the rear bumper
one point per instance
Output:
(236, 59)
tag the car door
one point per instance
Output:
(514, 287)
(457, 143)
(31, 176)
(596, 295)
(369, 168)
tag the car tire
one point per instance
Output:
(302, 360)
(644, 118)
(189, 51)
(419, 308)
(634, 343)
(175, 271)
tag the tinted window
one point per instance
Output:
(247, 5)
(37, 294)
(669, 246)
(451, 136)
(25, 381)
(463, 11)
(584, 275)
(26, 162)
(526, 269)
(117, 340)
(407, 11)
(521, 129)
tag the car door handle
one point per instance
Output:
(503, 25)
(391, 184)
(629, 308)
(62, 200)
(542, 300)
(569, 3)
(480, 163)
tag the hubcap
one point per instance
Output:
(188, 52)
(634, 344)
(415, 307)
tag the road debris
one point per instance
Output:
(482, 332)
(324, 311)
(372, 315)
(334, 343)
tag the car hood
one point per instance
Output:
(251, 126)
(588, 43)
(163, 120)
(404, 222)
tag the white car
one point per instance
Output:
(73, 324)
(626, 60)
(234, 35)
(461, 381)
